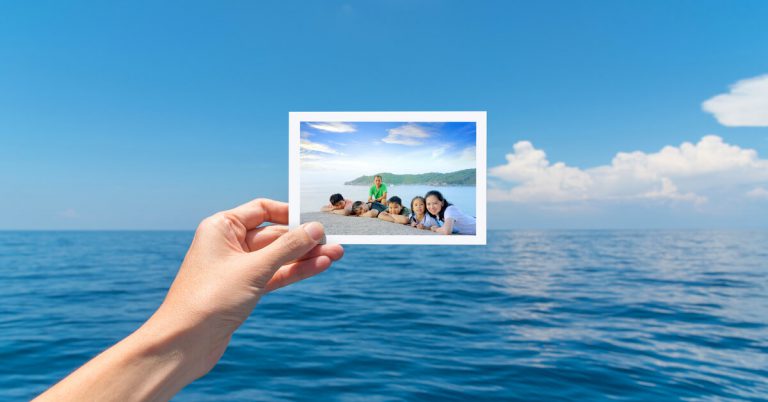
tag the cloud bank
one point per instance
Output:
(689, 173)
(409, 134)
(746, 105)
(334, 127)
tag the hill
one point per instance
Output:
(464, 177)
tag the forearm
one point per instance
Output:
(152, 364)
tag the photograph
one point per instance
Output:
(390, 177)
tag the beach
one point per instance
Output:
(351, 225)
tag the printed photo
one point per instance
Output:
(390, 177)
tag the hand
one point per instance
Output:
(420, 226)
(230, 265)
(233, 262)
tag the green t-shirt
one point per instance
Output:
(376, 193)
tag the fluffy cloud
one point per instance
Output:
(758, 193)
(334, 127)
(307, 145)
(688, 173)
(745, 105)
(409, 134)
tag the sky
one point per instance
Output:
(601, 114)
(342, 151)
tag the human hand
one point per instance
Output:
(420, 226)
(230, 265)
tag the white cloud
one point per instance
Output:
(409, 134)
(758, 193)
(690, 172)
(307, 145)
(468, 154)
(334, 127)
(745, 105)
(439, 151)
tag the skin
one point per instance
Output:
(394, 214)
(230, 265)
(367, 212)
(337, 208)
(419, 209)
(434, 205)
(377, 183)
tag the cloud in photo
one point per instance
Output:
(307, 145)
(408, 134)
(746, 105)
(689, 173)
(333, 127)
(758, 193)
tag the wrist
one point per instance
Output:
(169, 354)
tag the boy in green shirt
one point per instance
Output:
(378, 191)
(395, 211)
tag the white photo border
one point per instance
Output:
(294, 172)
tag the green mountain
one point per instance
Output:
(464, 177)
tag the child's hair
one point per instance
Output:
(445, 202)
(396, 200)
(413, 212)
(356, 207)
(335, 198)
(378, 176)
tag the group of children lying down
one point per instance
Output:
(431, 212)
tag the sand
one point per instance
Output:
(351, 225)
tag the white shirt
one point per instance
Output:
(462, 223)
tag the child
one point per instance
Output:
(419, 218)
(453, 220)
(378, 191)
(339, 205)
(367, 209)
(395, 211)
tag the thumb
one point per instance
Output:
(288, 247)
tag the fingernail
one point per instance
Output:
(315, 231)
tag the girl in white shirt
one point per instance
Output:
(454, 221)
(419, 217)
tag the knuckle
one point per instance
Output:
(293, 243)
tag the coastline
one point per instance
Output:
(351, 225)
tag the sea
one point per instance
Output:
(534, 315)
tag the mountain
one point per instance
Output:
(464, 177)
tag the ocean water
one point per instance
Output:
(550, 315)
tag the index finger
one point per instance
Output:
(254, 213)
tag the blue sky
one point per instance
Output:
(150, 116)
(342, 151)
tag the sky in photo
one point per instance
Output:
(343, 151)
(601, 114)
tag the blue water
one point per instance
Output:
(553, 315)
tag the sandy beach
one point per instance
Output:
(349, 225)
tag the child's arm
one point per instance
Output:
(446, 229)
(385, 216)
(341, 211)
(327, 208)
(401, 219)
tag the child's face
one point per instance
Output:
(377, 181)
(395, 208)
(418, 206)
(340, 204)
(434, 205)
(363, 209)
